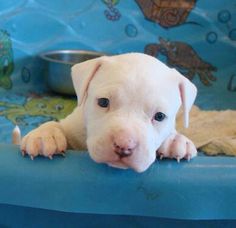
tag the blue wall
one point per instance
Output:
(196, 36)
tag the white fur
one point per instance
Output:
(137, 87)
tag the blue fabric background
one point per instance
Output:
(201, 35)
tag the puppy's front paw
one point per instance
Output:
(177, 146)
(45, 140)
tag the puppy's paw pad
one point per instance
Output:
(177, 146)
(182, 147)
(45, 141)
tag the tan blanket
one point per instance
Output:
(213, 132)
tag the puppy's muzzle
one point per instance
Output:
(124, 145)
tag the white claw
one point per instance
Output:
(32, 157)
(188, 157)
(16, 136)
(63, 154)
(161, 156)
(23, 153)
(50, 157)
(178, 159)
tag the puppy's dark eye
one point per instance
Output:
(103, 102)
(159, 116)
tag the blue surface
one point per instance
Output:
(204, 188)
(16, 216)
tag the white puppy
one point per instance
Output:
(127, 105)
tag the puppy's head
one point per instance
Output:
(130, 102)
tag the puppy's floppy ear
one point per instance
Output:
(82, 74)
(188, 93)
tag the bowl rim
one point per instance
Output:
(44, 55)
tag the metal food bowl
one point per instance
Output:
(57, 65)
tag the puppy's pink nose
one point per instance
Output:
(124, 145)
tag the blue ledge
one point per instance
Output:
(204, 188)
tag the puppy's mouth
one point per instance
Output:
(118, 164)
(125, 163)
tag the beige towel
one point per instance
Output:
(213, 132)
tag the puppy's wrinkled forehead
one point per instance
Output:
(144, 79)
(131, 67)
